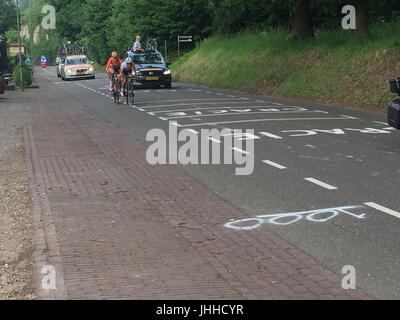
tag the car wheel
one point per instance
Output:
(168, 86)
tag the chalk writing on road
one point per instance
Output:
(283, 219)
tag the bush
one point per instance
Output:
(25, 73)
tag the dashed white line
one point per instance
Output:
(240, 150)
(270, 135)
(214, 140)
(321, 184)
(383, 209)
(274, 164)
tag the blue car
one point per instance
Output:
(151, 69)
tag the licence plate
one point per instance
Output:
(152, 78)
(82, 73)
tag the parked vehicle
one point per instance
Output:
(2, 86)
(394, 105)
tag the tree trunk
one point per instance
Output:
(362, 23)
(302, 23)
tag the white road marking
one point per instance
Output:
(240, 150)
(259, 120)
(218, 108)
(380, 122)
(214, 140)
(270, 135)
(274, 164)
(237, 114)
(383, 209)
(151, 113)
(277, 104)
(320, 183)
(196, 103)
(192, 131)
(183, 100)
(326, 112)
(349, 117)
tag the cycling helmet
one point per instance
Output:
(128, 60)
(114, 54)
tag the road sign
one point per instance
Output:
(185, 38)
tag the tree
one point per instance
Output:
(302, 22)
(8, 16)
(362, 7)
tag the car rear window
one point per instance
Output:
(148, 58)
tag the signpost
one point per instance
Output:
(183, 39)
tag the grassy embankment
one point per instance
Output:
(336, 68)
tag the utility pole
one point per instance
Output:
(19, 45)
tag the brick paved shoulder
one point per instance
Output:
(116, 227)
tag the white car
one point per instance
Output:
(76, 67)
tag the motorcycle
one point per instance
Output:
(394, 105)
(43, 64)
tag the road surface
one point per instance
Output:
(334, 170)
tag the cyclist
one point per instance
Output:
(113, 66)
(128, 70)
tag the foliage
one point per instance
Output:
(26, 74)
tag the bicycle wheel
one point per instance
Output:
(131, 93)
(126, 93)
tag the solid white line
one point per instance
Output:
(167, 101)
(320, 183)
(349, 117)
(276, 165)
(380, 122)
(240, 150)
(258, 120)
(383, 209)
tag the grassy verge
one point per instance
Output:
(336, 68)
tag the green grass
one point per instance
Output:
(337, 67)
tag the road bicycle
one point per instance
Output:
(152, 45)
(129, 92)
(115, 88)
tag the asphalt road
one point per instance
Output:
(307, 157)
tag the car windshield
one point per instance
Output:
(148, 58)
(77, 61)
